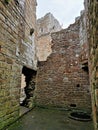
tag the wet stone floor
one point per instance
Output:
(45, 119)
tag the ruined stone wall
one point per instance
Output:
(93, 57)
(16, 51)
(26, 50)
(45, 26)
(44, 47)
(61, 82)
(83, 38)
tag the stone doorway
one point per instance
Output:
(28, 81)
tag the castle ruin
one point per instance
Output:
(53, 67)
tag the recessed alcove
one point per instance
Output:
(73, 105)
(78, 85)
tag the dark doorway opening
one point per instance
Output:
(27, 86)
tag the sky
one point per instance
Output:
(64, 11)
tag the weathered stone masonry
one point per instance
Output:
(45, 26)
(61, 81)
(17, 49)
(93, 56)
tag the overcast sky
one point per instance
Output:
(63, 10)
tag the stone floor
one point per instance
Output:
(45, 119)
(23, 110)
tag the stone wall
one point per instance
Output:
(17, 49)
(83, 38)
(44, 47)
(93, 57)
(61, 81)
(45, 26)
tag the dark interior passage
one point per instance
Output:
(30, 80)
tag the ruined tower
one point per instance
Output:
(45, 26)
(68, 60)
